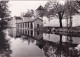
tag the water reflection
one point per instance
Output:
(24, 45)
(5, 49)
(51, 44)
(65, 47)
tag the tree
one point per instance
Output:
(68, 9)
(4, 13)
(72, 8)
(54, 8)
(30, 13)
(5, 49)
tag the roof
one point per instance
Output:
(17, 17)
(40, 8)
(32, 20)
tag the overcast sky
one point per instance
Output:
(16, 7)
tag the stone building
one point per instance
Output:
(28, 24)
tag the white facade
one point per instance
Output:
(76, 20)
(12, 22)
(54, 22)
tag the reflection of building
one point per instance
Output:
(51, 37)
(12, 32)
(73, 40)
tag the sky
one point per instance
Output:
(17, 7)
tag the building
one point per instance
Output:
(29, 23)
(28, 26)
(54, 21)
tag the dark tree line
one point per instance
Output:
(5, 48)
(4, 14)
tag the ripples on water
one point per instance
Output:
(38, 44)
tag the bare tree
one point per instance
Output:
(54, 8)
(72, 8)
(67, 10)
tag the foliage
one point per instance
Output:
(72, 8)
(60, 49)
(67, 10)
(3, 24)
(4, 45)
(4, 12)
(55, 9)
(29, 13)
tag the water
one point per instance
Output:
(35, 43)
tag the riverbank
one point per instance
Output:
(73, 31)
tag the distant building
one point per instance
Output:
(54, 21)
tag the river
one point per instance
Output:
(39, 44)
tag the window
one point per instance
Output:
(28, 25)
(37, 32)
(31, 25)
(20, 25)
(37, 25)
(31, 32)
(25, 31)
(28, 32)
(23, 25)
